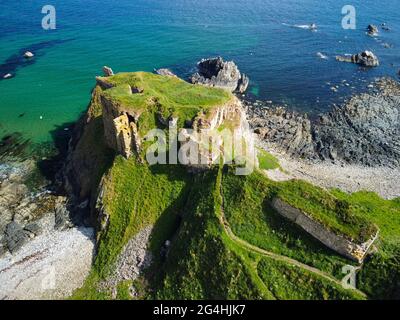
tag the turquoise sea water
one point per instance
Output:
(129, 35)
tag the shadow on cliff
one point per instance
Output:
(52, 161)
(293, 237)
(168, 224)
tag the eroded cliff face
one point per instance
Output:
(224, 132)
(204, 139)
(88, 156)
(120, 128)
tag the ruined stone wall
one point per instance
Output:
(341, 245)
(120, 129)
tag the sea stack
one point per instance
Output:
(215, 72)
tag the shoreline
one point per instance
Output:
(56, 240)
(347, 178)
(363, 131)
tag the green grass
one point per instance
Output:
(123, 290)
(267, 161)
(200, 265)
(162, 95)
(341, 216)
(290, 283)
(203, 261)
(248, 210)
(380, 275)
(136, 196)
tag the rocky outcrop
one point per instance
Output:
(289, 130)
(372, 30)
(364, 130)
(165, 72)
(210, 127)
(365, 58)
(120, 128)
(215, 72)
(338, 243)
(108, 72)
(21, 209)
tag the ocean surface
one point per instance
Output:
(286, 62)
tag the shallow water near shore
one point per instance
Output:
(264, 38)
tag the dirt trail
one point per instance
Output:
(247, 246)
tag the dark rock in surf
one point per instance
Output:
(372, 30)
(362, 131)
(365, 58)
(215, 72)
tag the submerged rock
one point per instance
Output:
(215, 72)
(385, 27)
(365, 58)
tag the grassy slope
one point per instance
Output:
(248, 210)
(199, 264)
(203, 261)
(380, 276)
(267, 161)
(338, 215)
(136, 196)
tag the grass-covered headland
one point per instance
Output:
(226, 240)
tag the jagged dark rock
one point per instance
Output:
(365, 130)
(215, 72)
(62, 214)
(33, 228)
(15, 236)
(372, 30)
(365, 58)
